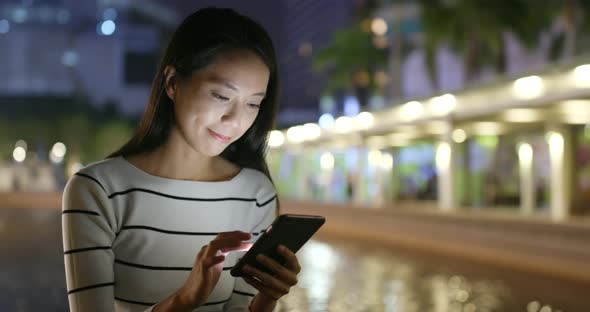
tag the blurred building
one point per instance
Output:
(515, 144)
(309, 26)
(101, 49)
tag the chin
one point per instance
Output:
(208, 147)
(213, 150)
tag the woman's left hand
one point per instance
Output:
(273, 287)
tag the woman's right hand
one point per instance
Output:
(209, 264)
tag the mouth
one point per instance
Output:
(219, 137)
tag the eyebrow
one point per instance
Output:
(231, 86)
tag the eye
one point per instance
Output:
(219, 96)
(254, 105)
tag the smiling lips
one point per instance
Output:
(219, 137)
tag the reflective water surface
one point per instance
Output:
(337, 276)
(355, 276)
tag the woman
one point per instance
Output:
(157, 225)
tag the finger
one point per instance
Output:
(241, 247)
(287, 276)
(213, 261)
(202, 251)
(232, 237)
(262, 288)
(291, 259)
(267, 279)
(236, 235)
(225, 245)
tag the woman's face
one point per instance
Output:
(220, 102)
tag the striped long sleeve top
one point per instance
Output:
(130, 238)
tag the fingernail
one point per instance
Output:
(260, 257)
(282, 248)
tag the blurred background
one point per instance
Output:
(446, 141)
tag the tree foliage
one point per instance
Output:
(476, 29)
(349, 53)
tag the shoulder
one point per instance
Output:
(101, 166)
(86, 193)
(261, 184)
(95, 176)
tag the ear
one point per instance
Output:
(170, 81)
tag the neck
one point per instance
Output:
(175, 159)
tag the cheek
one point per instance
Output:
(248, 121)
(198, 112)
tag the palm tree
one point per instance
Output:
(574, 15)
(476, 29)
(351, 58)
(349, 53)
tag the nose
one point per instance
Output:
(231, 116)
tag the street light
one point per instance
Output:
(343, 124)
(444, 104)
(295, 134)
(364, 120)
(582, 75)
(106, 28)
(327, 161)
(57, 153)
(411, 110)
(528, 87)
(19, 154)
(459, 135)
(379, 26)
(276, 138)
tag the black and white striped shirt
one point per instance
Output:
(131, 238)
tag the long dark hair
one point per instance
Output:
(200, 38)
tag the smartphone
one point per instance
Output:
(289, 230)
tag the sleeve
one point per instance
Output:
(243, 293)
(87, 241)
(88, 231)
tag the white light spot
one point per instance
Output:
(459, 135)
(295, 134)
(59, 149)
(276, 138)
(327, 161)
(411, 110)
(364, 120)
(54, 158)
(343, 124)
(311, 131)
(443, 162)
(19, 154)
(528, 87)
(374, 158)
(444, 104)
(379, 26)
(582, 75)
(326, 121)
(386, 161)
(107, 27)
